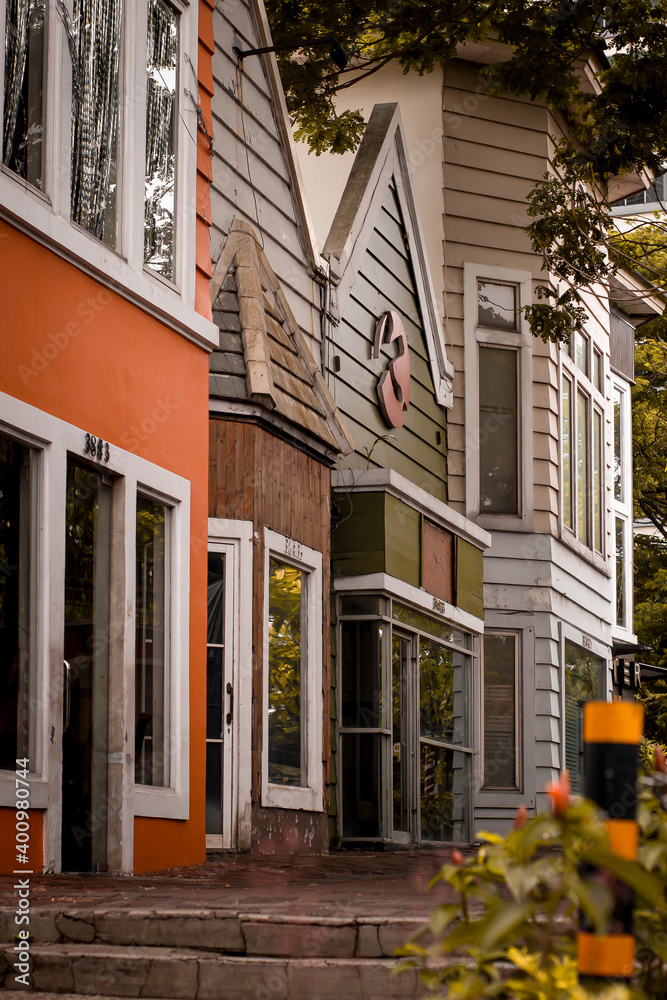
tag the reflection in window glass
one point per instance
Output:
(441, 630)
(442, 695)
(287, 586)
(23, 122)
(361, 790)
(362, 653)
(582, 352)
(618, 446)
(443, 782)
(500, 711)
(567, 453)
(583, 462)
(621, 608)
(14, 603)
(151, 696)
(95, 99)
(161, 137)
(582, 673)
(597, 370)
(498, 431)
(496, 305)
(597, 480)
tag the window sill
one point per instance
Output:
(29, 210)
(161, 803)
(280, 797)
(39, 791)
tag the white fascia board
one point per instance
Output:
(413, 595)
(384, 157)
(389, 481)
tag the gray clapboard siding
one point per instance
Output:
(385, 281)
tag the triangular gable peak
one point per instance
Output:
(263, 359)
(380, 165)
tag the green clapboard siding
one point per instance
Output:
(469, 578)
(377, 534)
(385, 281)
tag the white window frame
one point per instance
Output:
(46, 215)
(596, 403)
(54, 440)
(622, 509)
(235, 540)
(309, 796)
(520, 341)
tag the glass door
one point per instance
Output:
(86, 670)
(219, 705)
(403, 753)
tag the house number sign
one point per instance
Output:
(96, 448)
(394, 386)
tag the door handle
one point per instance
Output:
(230, 713)
(67, 696)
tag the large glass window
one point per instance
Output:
(15, 617)
(95, 51)
(582, 442)
(582, 680)
(161, 104)
(287, 635)
(23, 122)
(621, 583)
(498, 431)
(500, 710)
(152, 643)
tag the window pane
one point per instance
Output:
(443, 784)
(23, 125)
(95, 98)
(214, 788)
(567, 453)
(286, 604)
(361, 785)
(498, 432)
(598, 370)
(152, 723)
(439, 629)
(582, 672)
(15, 623)
(500, 711)
(618, 446)
(496, 305)
(442, 694)
(597, 480)
(621, 609)
(162, 61)
(583, 462)
(582, 352)
(361, 673)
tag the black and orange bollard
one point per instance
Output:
(612, 732)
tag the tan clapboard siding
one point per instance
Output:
(251, 177)
(496, 148)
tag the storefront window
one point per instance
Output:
(287, 585)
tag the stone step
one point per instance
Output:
(268, 935)
(94, 970)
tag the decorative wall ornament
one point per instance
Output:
(394, 385)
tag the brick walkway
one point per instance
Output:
(343, 883)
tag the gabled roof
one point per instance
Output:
(380, 159)
(263, 358)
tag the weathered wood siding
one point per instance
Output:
(256, 476)
(496, 148)
(385, 282)
(251, 178)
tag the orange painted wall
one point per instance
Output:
(73, 348)
(8, 859)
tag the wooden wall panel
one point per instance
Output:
(256, 476)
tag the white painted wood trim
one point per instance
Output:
(310, 561)
(235, 538)
(413, 595)
(389, 481)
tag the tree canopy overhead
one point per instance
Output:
(617, 128)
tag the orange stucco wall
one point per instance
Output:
(8, 853)
(73, 348)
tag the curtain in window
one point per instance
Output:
(96, 54)
(17, 16)
(162, 64)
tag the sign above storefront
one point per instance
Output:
(394, 386)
